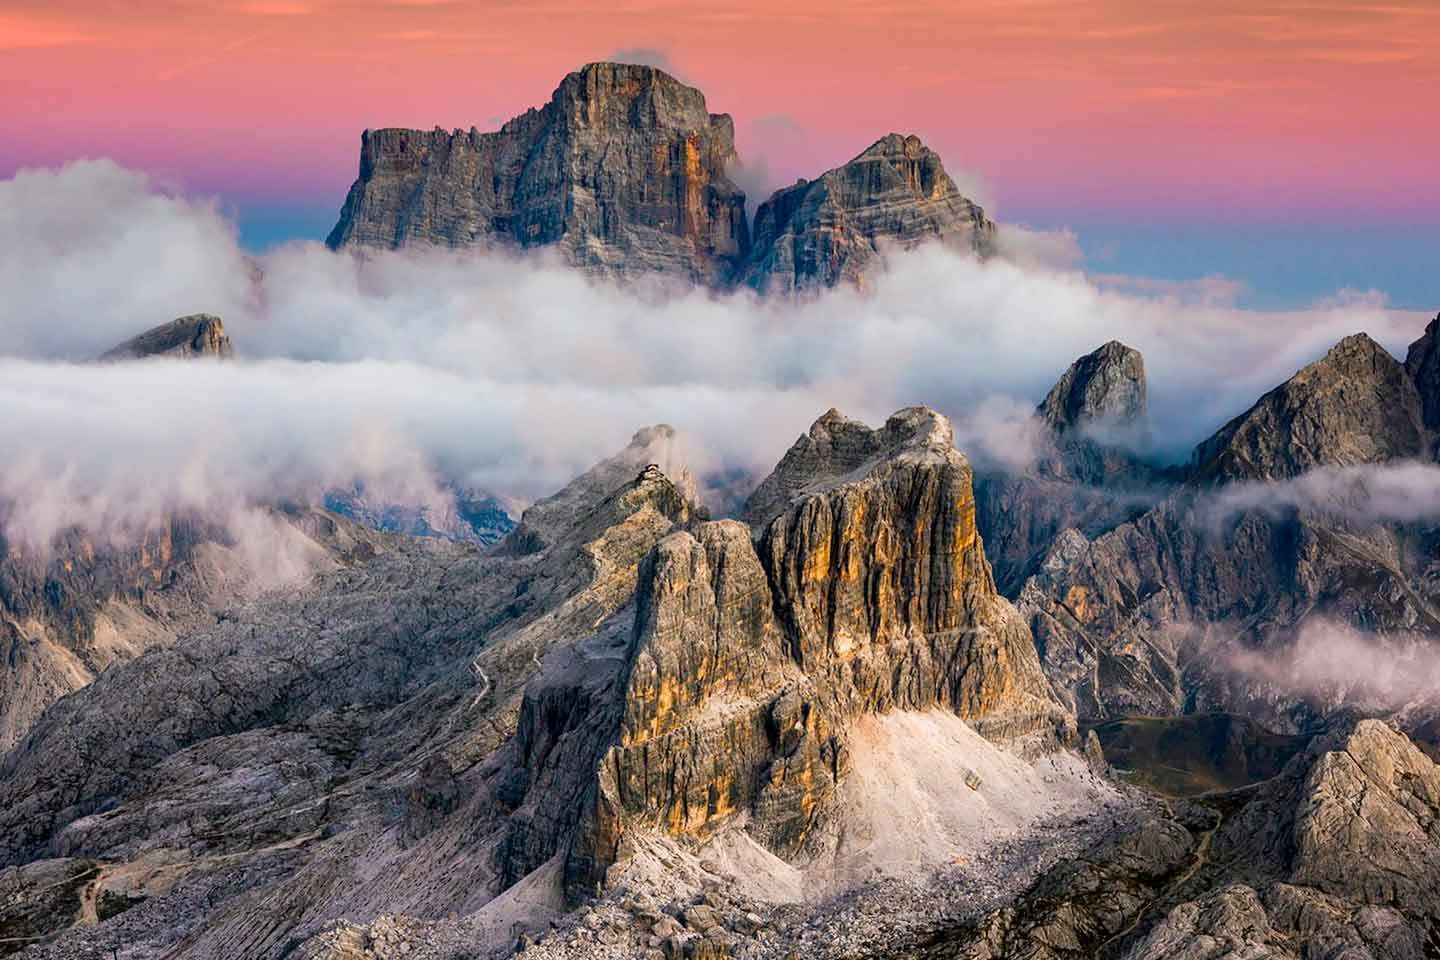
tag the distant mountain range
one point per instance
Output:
(626, 173)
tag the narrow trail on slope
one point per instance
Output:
(1200, 858)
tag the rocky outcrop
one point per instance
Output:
(1106, 385)
(40, 898)
(73, 610)
(835, 227)
(881, 579)
(623, 171)
(199, 336)
(1085, 475)
(834, 447)
(1355, 405)
(868, 592)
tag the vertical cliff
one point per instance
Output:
(624, 170)
(747, 665)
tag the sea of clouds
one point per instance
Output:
(398, 369)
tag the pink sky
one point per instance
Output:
(1216, 110)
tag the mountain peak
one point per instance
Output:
(1107, 384)
(1356, 404)
(197, 336)
(610, 94)
(624, 170)
(821, 232)
(837, 448)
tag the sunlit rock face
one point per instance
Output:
(835, 227)
(867, 592)
(623, 171)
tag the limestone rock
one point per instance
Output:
(547, 520)
(624, 171)
(199, 336)
(41, 898)
(820, 232)
(882, 581)
(84, 604)
(1084, 477)
(1358, 817)
(835, 447)
(1142, 617)
(1106, 385)
(1336, 856)
(867, 592)
(1228, 923)
(1357, 404)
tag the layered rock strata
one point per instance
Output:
(894, 195)
(623, 171)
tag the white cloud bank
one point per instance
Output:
(516, 374)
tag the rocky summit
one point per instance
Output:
(1106, 385)
(1082, 477)
(894, 195)
(1357, 404)
(624, 171)
(198, 336)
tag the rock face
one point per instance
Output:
(1106, 385)
(820, 232)
(1355, 405)
(868, 592)
(1422, 363)
(199, 336)
(624, 171)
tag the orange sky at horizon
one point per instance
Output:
(1222, 110)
